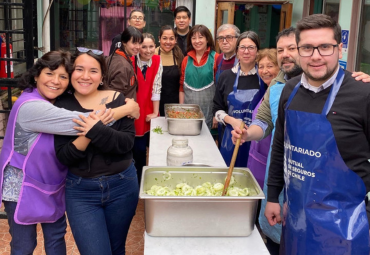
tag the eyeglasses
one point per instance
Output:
(323, 49)
(140, 18)
(85, 50)
(249, 48)
(228, 38)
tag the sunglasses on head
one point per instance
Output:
(85, 50)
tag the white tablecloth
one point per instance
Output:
(204, 151)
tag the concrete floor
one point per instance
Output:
(134, 243)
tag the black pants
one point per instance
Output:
(141, 142)
(272, 246)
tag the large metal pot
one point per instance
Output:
(184, 126)
(198, 216)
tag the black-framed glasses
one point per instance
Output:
(228, 38)
(250, 48)
(140, 18)
(85, 50)
(323, 49)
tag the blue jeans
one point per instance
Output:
(139, 151)
(100, 211)
(24, 236)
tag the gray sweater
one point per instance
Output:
(35, 117)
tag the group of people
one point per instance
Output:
(77, 137)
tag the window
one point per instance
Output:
(331, 8)
(363, 54)
(93, 24)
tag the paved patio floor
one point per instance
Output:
(134, 243)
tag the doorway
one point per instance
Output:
(264, 19)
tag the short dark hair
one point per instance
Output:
(131, 32)
(52, 60)
(136, 10)
(101, 60)
(182, 9)
(317, 21)
(203, 30)
(285, 33)
(250, 35)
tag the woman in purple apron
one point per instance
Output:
(314, 221)
(267, 69)
(31, 178)
(238, 92)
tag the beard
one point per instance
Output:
(294, 71)
(325, 77)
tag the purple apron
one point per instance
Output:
(258, 153)
(324, 204)
(41, 198)
(240, 106)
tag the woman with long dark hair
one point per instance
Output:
(121, 75)
(101, 185)
(171, 56)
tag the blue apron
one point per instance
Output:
(273, 232)
(324, 206)
(220, 126)
(241, 104)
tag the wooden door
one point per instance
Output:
(225, 15)
(286, 16)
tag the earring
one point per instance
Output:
(101, 83)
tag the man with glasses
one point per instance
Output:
(227, 35)
(263, 125)
(182, 21)
(137, 20)
(320, 152)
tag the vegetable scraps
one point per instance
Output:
(158, 130)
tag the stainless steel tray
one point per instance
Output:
(198, 216)
(184, 126)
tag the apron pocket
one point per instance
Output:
(40, 202)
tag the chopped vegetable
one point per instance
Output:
(183, 114)
(166, 176)
(158, 130)
(206, 189)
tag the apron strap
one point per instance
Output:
(235, 86)
(333, 92)
(236, 60)
(261, 82)
(173, 55)
(292, 95)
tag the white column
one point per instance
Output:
(205, 14)
(46, 28)
(39, 27)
